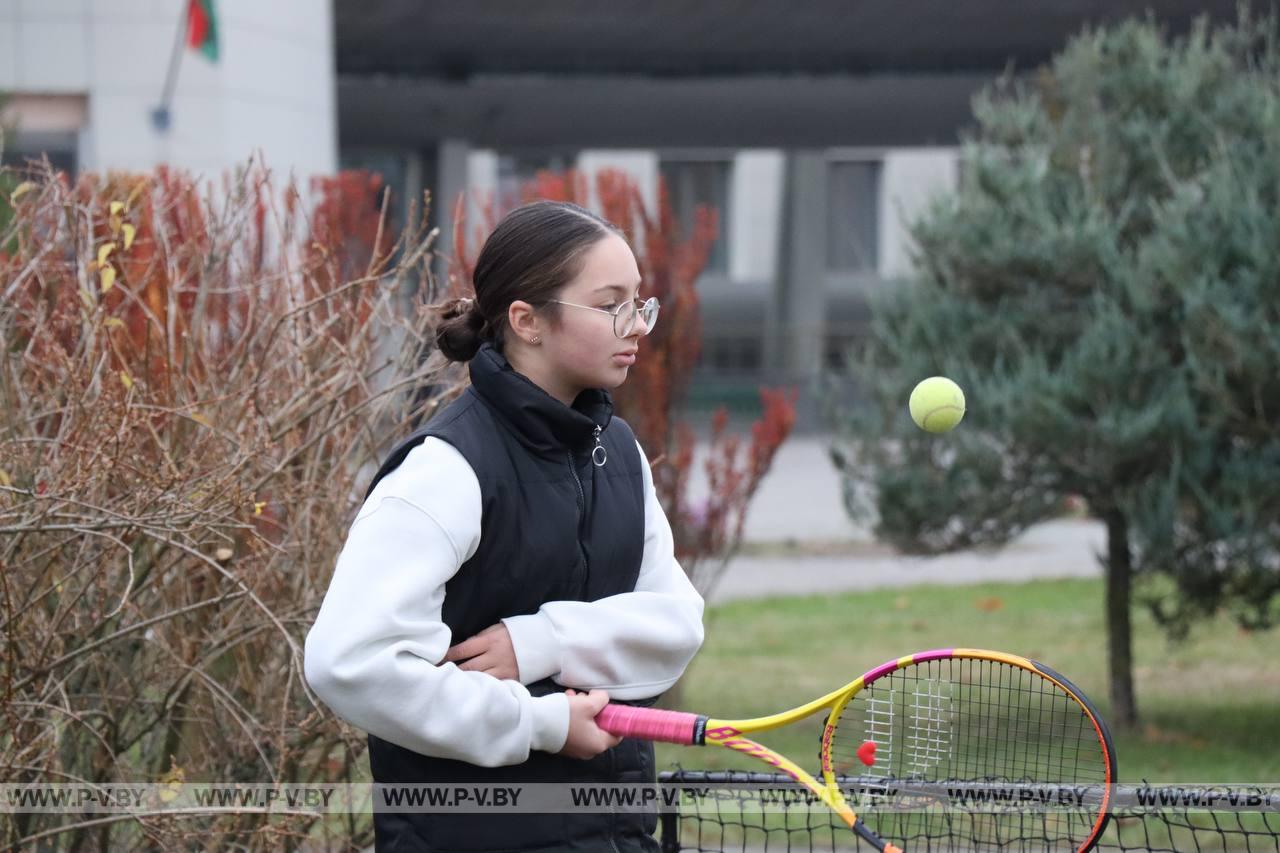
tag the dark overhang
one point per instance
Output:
(695, 72)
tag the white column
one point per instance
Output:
(481, 188)
(911, 178)
(756, 219)
(640, 166)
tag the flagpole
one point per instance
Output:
(160, 116)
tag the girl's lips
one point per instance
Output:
(624, 358)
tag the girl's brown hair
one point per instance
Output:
(533, 252)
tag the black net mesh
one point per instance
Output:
(1209, 818)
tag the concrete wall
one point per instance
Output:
(272, 90)
(641, 166)
(912, 178)
(755, 220)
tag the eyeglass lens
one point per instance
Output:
(625, 320)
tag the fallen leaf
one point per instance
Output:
(172, 780)
(20, 190)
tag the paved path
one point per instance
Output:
(1061, 549)
(799, 504)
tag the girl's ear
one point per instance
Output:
(524, 321)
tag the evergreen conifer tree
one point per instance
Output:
(1105, 285)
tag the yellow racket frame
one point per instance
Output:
(729, 733)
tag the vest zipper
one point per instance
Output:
(599, 455)
(582, 510)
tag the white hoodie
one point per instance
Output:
(374, 654)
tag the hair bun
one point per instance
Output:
(461, 329)
(459, 306)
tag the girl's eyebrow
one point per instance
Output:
(621, 287)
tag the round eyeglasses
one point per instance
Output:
(624, 316)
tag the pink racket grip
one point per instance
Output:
(652, 724)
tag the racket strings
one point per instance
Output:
(928, 737)
(981, 722)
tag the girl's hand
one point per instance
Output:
(586, 739)
(490, 651)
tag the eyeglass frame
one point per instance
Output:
(617, 311)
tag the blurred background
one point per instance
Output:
(816, 130)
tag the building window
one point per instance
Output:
(691, 183)
(853, 216)
(391, 167)
(517, 171)
(26, 150)
(730, 353)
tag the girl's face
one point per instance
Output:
(581, 350)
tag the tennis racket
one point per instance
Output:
(925, 722)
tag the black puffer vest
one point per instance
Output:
(554, 527)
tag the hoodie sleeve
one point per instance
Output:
(636, 644)
(373, 654)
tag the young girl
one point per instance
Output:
(513, 553)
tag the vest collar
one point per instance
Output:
(540, 422)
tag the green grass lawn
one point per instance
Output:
(1210, 707)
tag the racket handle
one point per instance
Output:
(651, 724)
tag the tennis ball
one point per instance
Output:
(937, 404)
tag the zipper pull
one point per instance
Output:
(599, 455)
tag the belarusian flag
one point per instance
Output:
(202, 28)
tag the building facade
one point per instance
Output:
(82, 79)
(817, 130)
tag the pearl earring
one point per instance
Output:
(534, 339)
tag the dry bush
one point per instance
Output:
(195, 385)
